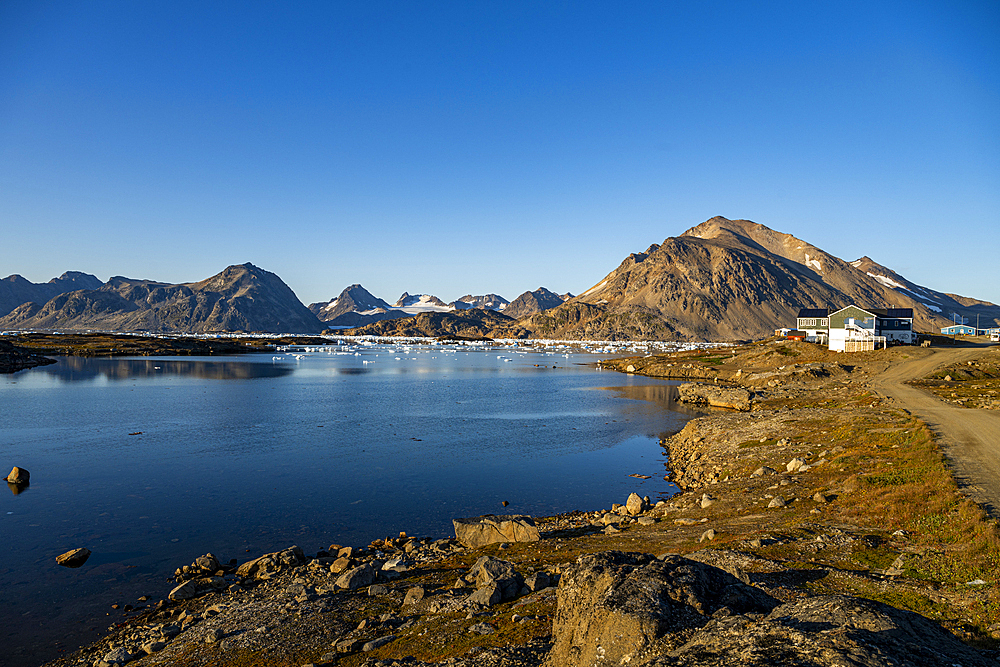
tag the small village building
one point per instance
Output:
(958, 330)
(815, 323)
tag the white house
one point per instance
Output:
(854, 329)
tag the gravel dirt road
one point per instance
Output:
(970, 438)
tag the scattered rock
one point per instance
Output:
(394, 565)
(763, 470)
(707, 536)
(185, 591)
(358, 577)
(152, 647)
(18, 476)
(794, 464)
(636, 505)
(378, 643)
(489, 571)
(486, 596)
(492, 529)
(647, 520)
(74, 557)
(537, 581)
(819, 497)
(376, 590)
(482, 629)
(414, 595)
(119, 656)
(777, 501)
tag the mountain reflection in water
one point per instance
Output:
(661, 395)
(79, 369)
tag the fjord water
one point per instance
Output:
(151, 462)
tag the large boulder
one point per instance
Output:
(491, 529)
(18, 476)
(74, 557)
(734, 398)
(625, 608)
(357, 577)
(271, 564)
(489, 571)
(616, 608)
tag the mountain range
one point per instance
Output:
(357, 307)
(720, 280)
(240, 298)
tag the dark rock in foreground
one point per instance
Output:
(14, 358)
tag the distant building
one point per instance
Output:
(854, 329)
(959, 330)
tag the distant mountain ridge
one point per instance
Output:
(484, 301)
(530, 303)
(240, 298)
(15, 290)
(720, 280)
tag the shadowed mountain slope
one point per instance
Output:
(16, 291)
(240, 298)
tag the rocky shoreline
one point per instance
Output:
(14, 358)
(819, 526)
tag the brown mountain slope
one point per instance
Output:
(721, 280)
(240, 298)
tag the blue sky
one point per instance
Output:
(492, 146)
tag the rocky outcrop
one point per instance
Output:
(491, 529)
(616, 608)
(823, 630)
(619, 608)
(733, 398)
(240, 298)
(14, 358)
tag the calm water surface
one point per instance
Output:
(152, 462)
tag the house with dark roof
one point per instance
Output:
(853, 329)
(815, 322)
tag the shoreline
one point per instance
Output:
(852, 520)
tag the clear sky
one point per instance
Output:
(461, 147)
